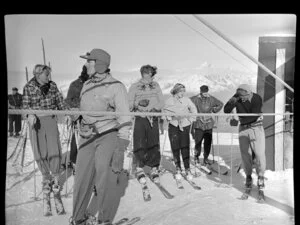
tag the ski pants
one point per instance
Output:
(146, 146)
(201, 135)
(15, 120)
(252, 140)
(45, 142)
(180, 144)
(92, 167)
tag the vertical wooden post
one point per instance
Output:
(26, 74)
(44, 56)
(279, 108)
(50, 76)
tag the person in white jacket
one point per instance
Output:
(179, 127)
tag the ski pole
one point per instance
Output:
(67, 158)
(131, 158)
(231, 159)
(23, 150)
(218, 151)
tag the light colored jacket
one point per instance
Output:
(143, 90)
(180, 105)
(106, 95)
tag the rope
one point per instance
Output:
(105, 113)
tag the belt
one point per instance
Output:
(98, 135)
(255, 124)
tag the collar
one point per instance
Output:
(95, 79)
(144, 83)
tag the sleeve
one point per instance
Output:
(131, 98)
(122, 105)
(59, 100)
(161, 101)
(192, 108)
(70, 95)
(229, 106)
(256, 108)
(217, 105)
(26, 100)
(168, 108)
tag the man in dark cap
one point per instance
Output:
(102, 138)
(15, 102)
(203, 126)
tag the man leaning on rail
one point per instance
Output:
(251, 133)
(42, 94)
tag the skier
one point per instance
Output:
(146, 96)
(73, 101)
(179, 128)
(15, 102)
(202, 128)
(251, 134)
(40, 93)
(102, 139)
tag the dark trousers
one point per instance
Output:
(73, 151)
(180, 144)
(146, 146)
(17, 120)
(201, 135)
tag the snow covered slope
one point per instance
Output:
(217, 203)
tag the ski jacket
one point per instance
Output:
(142, 90)
(208, 104)
(180, 105)
(109, 95)
(15, 101)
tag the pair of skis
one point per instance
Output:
(163, 190)
(192, 183)
(127, 221)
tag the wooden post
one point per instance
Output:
(279, 108)
(51, 71)
(26, 74)
(44, 56)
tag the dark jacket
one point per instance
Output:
(206, 105)
(15, 101)
(73, 96)
(253, 106)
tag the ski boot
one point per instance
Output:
(140, 176)
(261, 186)
(196, 160)
(154, 175)
(178, 175)
(248, 187)
(11, 134)
(188, 174)
(56, 188)
(46, 198)
(206, 162)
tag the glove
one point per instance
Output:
(118, 156)
(85, 131)
(31, 120)
(144, 102)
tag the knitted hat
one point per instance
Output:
(176, 88)
(101, 57)
(15, 89)
(204, 89)
(39, 68)
(245, 87)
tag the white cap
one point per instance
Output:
(245, 87)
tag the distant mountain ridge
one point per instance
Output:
(222, 82)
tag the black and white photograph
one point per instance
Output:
(150, 119)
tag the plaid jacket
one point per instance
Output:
(34, 99)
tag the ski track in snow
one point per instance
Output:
(217, 203)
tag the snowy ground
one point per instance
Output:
(217, 203)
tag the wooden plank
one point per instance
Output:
(279, 108)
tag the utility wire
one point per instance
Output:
(223, 50)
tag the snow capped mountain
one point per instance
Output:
(219, 80)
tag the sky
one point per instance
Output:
(135, 40)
